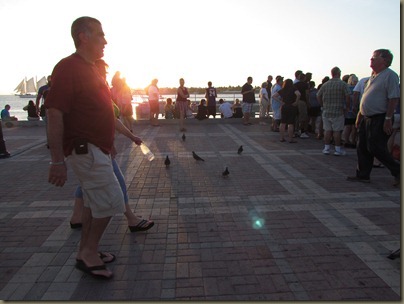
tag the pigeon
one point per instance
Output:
(226, 172)
(240, 150)
(167, 161)
(196, 157)
(183, 137)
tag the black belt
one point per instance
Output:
(376, 115)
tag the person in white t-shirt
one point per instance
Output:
(154, 96)
(225, 109)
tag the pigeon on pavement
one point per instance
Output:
(196, 157)
(167, 161)
(240, 150)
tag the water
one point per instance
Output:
(17, 103)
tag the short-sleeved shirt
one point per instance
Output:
(211, 96)
(378, 91)
(225, 109)
(184, 90)
(43, 90)
(333, 94)
(250, 96)
(275, 89)
(5, 114)
(301, 87)
(82, 94)
(288, 95)
(154, 94)
(264, 95)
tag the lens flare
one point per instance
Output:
(257, 222)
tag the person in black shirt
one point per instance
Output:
(290, 97)
(210, 96)
(248, 93)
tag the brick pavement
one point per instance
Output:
(285, 225)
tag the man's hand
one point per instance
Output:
(388, 126)
(137, 140)
(57, 175)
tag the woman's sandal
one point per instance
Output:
(142, 226)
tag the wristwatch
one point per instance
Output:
(387, 118)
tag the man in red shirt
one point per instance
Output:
(81, 127)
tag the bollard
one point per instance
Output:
(3, 150)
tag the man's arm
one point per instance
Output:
(57, 169)
(388, 124)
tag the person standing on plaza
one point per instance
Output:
(181, 103)
(269, 90)
(297, 76)
(276, 104)
(290, 97)
(375, 118)
(314, 110)
(210, 96)
(264, 102)
(302, 115)
(122, 96)
(81, 129)
(248, 93)
(334, 97)
(154, 96)
(42, 91)
(135, 223)
(349, 133)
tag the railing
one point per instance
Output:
(142, 110)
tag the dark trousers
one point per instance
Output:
(372, 142)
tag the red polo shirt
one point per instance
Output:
(80, 92)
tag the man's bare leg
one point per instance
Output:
(91, 233)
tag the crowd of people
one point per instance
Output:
(82, 124)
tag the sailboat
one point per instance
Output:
(41, 82)
(26, 88)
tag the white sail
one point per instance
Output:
(31, 86)
(22, 87)
(41, 82)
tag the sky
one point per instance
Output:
(223, 41)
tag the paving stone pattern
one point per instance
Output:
(284, 225)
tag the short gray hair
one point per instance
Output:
(82, 25)
(386, 55)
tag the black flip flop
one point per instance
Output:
(142, 226)
(102, 256)
(80, 265)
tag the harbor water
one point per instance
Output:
(17, 103)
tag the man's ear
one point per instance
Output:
(83, 37)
